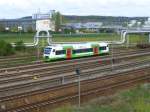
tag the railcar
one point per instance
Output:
(69, 51)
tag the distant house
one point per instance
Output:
(93, 25)
(87, 25)
(147, 24)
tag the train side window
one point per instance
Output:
(82, 50)
(73, 52)
(53, 50)
(90, 49)
(102, 48)
(60, 52)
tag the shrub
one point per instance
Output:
(20, 46)
(143, 45)
(6, 48)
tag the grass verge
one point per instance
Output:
(133, 100)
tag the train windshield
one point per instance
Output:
(47, 50)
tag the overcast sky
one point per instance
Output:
(20, 8)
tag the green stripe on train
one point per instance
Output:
(73, 56)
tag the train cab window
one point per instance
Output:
(53, 50)
(47, 50)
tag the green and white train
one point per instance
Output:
(68, 51)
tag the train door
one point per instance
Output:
(68, 53)
(96, 50)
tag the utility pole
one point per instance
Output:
(79, 86)
(38, 52)
(19, 30)
(112, 58)
(127, 41)
(149, 38)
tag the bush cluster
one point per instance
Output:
(6, 48)
(19, 46)
(143, 45)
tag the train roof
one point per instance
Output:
(79, 44)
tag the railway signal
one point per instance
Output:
(77, 72)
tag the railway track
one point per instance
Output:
(9, 58)
(6, 59)
(27, 77)
(58, 77)
(61, 93)
(21, 83)
(51, 66)
(7, 64)
(43, 77)
(41, 64)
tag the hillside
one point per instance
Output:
(104, 19)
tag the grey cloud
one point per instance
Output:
(19, 8)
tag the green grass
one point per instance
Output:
(13, 37)
(28, 38)
(138, 38)
(83, 39)
(134, 100)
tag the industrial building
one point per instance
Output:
(25, 23)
